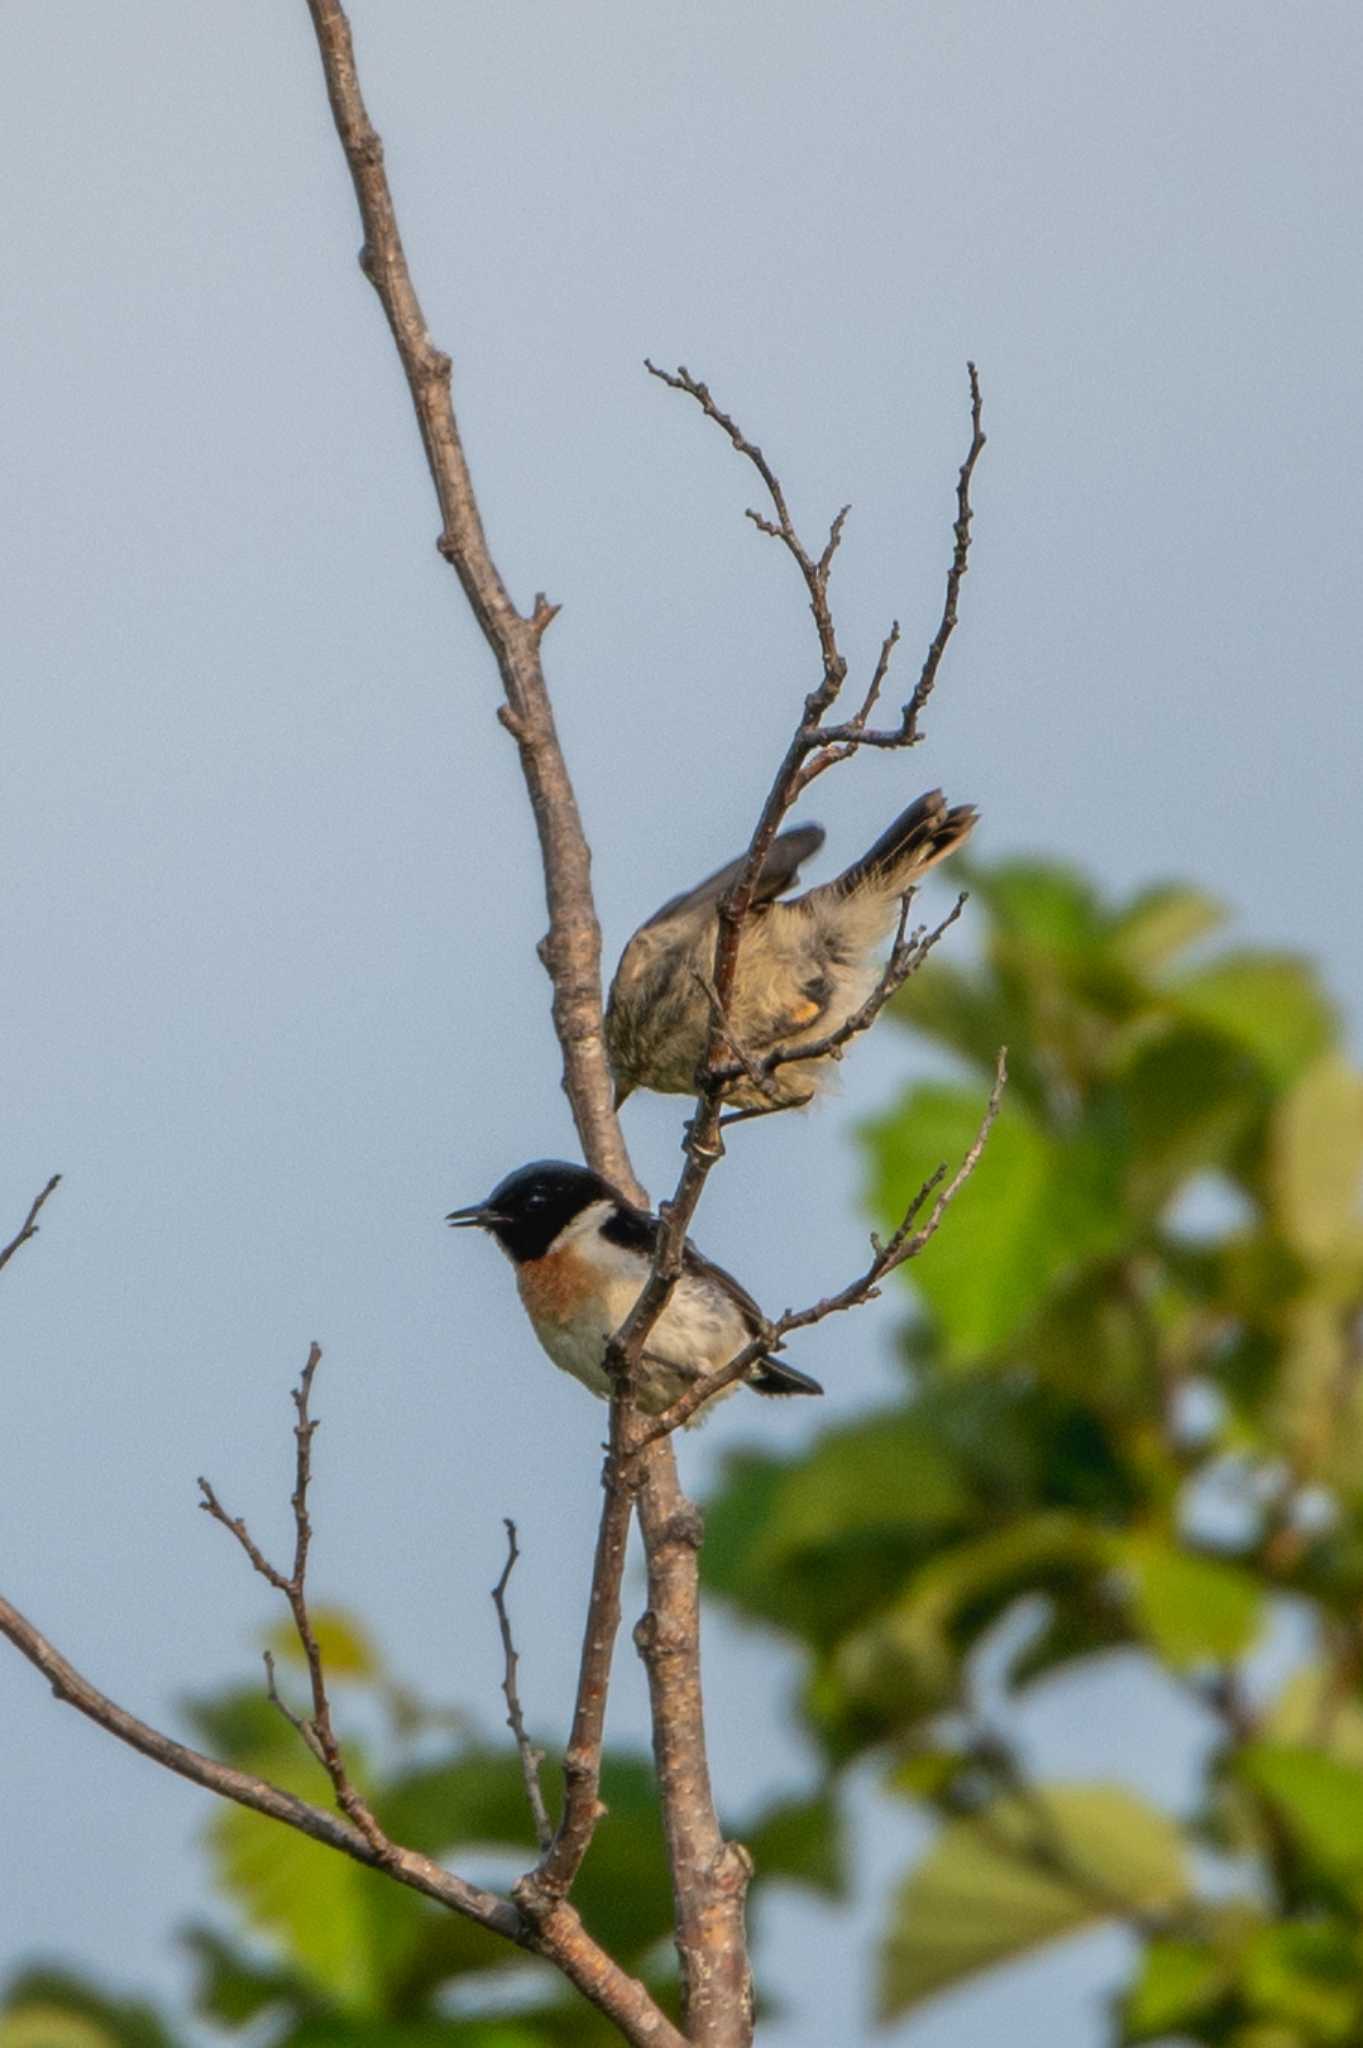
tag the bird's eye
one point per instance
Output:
(535, 1199)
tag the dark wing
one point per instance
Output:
(779, 871)
(637, 1231)
(632, 1228)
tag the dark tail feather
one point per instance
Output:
(774, 1376)
(779, 870)
(919, 837)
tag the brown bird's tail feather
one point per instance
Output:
(919, 837)
(774, 1376)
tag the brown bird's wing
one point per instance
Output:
(779, 871)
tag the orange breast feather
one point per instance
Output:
(556, 1288)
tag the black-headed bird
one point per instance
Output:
(582, 1254)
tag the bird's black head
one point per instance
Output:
(526, 1211)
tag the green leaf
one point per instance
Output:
(235, 1988)
(1191, 1607)
(1271, 1003)
(815, 1544)
(55, 2008)
(1032, 1212)
(1316, 1414)
(477, 1797)
(1020, 1873)
(36, 2025)
(1180, 1981)
(1161, 923)
(927, 1774)
(1316, 1158)
(1188, 1097)
(343, 1927)
(800, 1840)
(1319, 1800)
(1309, 1975)
(908, 1661)
(1045, 905)
(889, 1471)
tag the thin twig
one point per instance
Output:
(30, 1224)
(531, 1758)
(906, 1243)
(959, 563)
(582, 1807)
(317, 1731)
(744, 1062)
(829, 756)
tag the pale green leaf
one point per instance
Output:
(1160, 923)
(347, 1649)
(1191, 1607)
(1316, 1158)
(338, 1924)
(1021, 1873)
(1316, 1408)
(1270, 1002)
(51, 2026)
(1311, 1709)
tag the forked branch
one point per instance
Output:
(531, 1758)
(29, 1226)
(316, 1729)
(906, 1243)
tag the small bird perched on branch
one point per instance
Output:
(804, 967)
(582, 1254)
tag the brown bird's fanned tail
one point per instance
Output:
(919, 837)
(774, 1376)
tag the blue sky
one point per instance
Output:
(271, 1002)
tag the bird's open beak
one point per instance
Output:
(479, 1217)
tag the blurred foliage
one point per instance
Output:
(1130, 1420)
(320, 1952)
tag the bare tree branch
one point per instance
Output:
(710, 1876)
(558, 1935)
(30, 1223)
(571, 951)
(531, 1758)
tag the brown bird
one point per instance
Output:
(804, 966)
